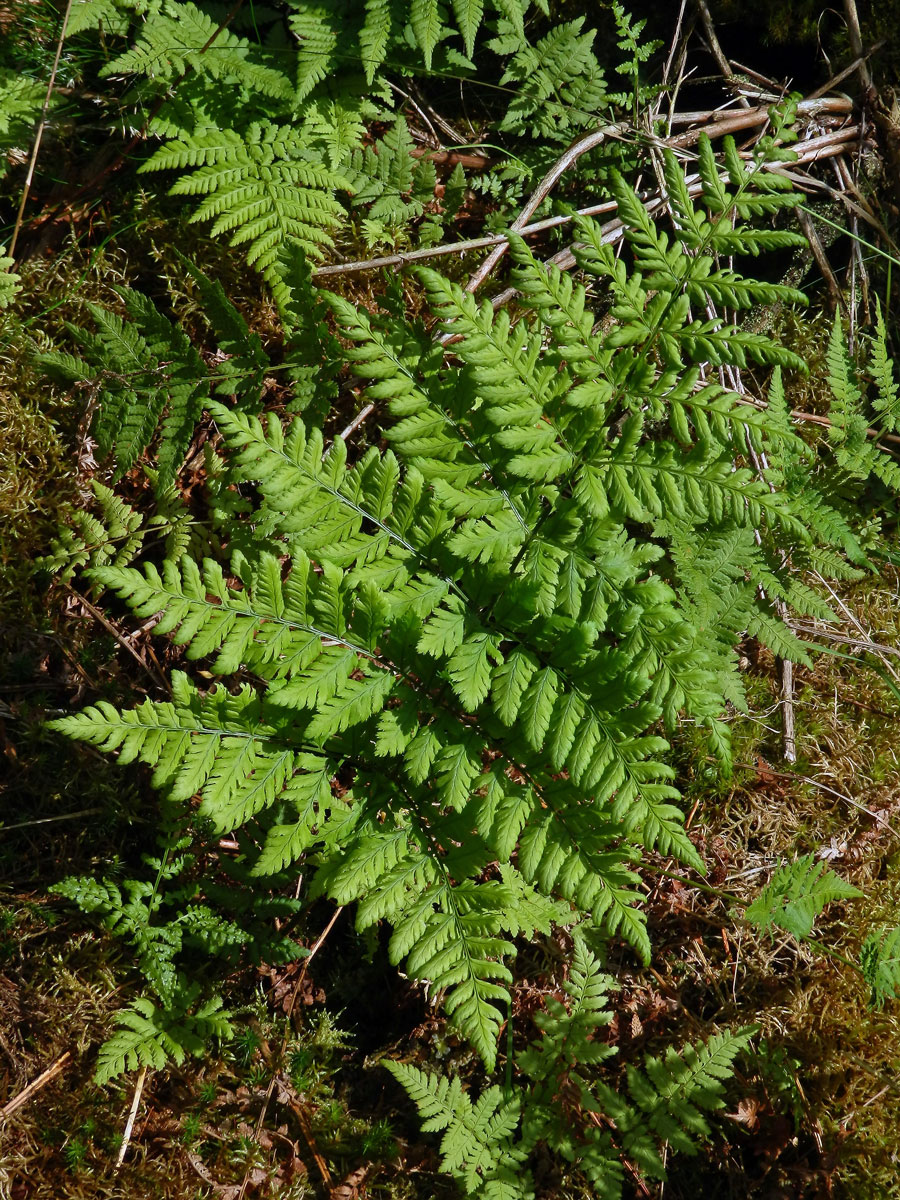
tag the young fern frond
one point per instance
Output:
(10, 282)
(886, 401)
(858, 456)
(796, 894)
(488, 1144)
(879, 960)
(114, 537)
(150, 1036)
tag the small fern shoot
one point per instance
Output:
(796, 894)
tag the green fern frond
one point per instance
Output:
(264, 187)
(152, 1037)
(144, 369)
(879, 960)
(477, 1144)
(886, 401)
(675, 1092)
(796, 894)
(115, 537)
(10, 282)
(178, 37)
(560, 83)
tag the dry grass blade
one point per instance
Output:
(132, 1114)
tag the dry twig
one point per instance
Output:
(595, 138)
(56, 1068)
(716, 50)
(39, 134)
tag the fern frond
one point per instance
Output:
(114, 538)
(796, 894)
(674, 1093)
(886, 401)
(477, 1144)
(178, 36)
(264, 187)
(10, 282)
(879, 960)
(152, 1037)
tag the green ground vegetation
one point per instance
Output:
(538, 904)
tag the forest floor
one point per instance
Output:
(296, 1107)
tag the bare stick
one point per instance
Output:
(723, 64)
(55, 1068)
(876, 648)
(813, 148)
(785, 666)
(129, 1124)
(818, 253)
(356, 422)
(728, 122)
(449, 158)
(596, 138)
(788, 728)
(856, 46)
(40, 132)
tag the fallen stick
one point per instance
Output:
(55, 1068)
(590, 142)
(823, 146)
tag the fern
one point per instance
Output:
(115, 536)
(467, 618)
(674, 1093)
(880, 964)
(477, 1143)
(147, 371)
(261, 186)
(21, 99)
(178, 37)
(487, 1144)
(796, 894)
(10, 282)
(149, 1036)
(857, 456)
(560, 83)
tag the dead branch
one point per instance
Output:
(716, 50)
(596, 138)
